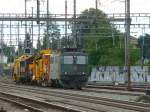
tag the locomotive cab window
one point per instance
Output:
(81, 60)
(74, 59)
(68, 60)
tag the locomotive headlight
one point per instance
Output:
(65, 73)
(83, 73)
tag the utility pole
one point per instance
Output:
(143, 53)
(25, 17)
(38, 11)
(96, 18)
(18, 39)
(74, 26)
(48, 23)
(96, 7)
(113, 37)
(10, 34)
(127, 42)
(66, 37)
(32, 30)
(39, 32)
(96, 4)
(143, 41)
(2, 25)
(1, 40)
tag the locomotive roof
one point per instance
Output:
(74, 53)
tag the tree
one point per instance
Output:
(9, 51)
(51, 37)
(95, 36)
(46, 41)
(101, 40)
(39, 46)
(20, 50)
(27, 41)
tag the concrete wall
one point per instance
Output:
(118, 74)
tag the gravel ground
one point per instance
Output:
(8, 107)
(56, 100)
(106, 95)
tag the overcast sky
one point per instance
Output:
(57, 6)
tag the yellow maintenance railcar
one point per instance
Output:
(21, 69)
(32, 69)
(41, 67)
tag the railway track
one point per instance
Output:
(99, 88)
(113, 91)
(34, 105)
(42, 95)
(120, 87)
(95, 89)
(134, 106)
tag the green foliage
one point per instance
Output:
(9, 52)
(102, 41)
(39, 46)
(105, 57)
(135, 56)
(51, 37)
(27, 41)
(20, 50)
(46, 41)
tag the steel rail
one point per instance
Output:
(35, 109)
(136, 88)
(97, 90)
(142, 107)
(21, 104)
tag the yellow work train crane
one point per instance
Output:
(33, 68)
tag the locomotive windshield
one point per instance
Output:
(74, 60)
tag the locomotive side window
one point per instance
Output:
(74, 60)
(68, 60)
(81, 60)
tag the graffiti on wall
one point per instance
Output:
(118, 74)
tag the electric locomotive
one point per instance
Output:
(70, 68)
